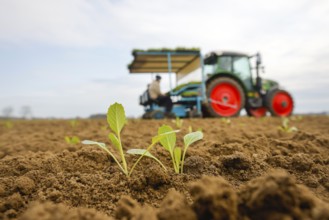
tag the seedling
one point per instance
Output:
(9, 124)
(285, 126)
(72, 140)
(169, 144)
(104, 128)
(116, 119)
(178, 122)
(190, 129)
(226, 121)
(296, 118)
(74, 123)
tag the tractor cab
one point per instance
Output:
(233, 63)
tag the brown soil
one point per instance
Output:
(247, 169)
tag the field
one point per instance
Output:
(245, 168)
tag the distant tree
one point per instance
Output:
(26, 112)
(7, 111)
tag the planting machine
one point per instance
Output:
(228, 84)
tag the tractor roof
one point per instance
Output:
(224, 53)
(182, 61)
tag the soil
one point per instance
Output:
(246, 169)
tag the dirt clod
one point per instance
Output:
(25, 185)
(214, 198)
(156, 176)
(237, 161)
(175, 207)
(277, 196)
(194, 165)
(51, 211)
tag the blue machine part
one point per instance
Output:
(179, 110)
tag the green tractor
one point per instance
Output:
(231, 86)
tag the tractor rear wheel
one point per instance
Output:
(256, 112)
(280, 103)
(226, 98)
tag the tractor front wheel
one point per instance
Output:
(280, 103)
(226, 97)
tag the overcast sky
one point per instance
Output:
(67, 58)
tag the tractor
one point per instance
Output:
(229, 84)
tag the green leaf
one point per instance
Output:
(116, 118)
(114, 140)
(75, 140)
(293, 129)
(67, 139)
(169, 141)
(192, 137)
(144, 152)
(141, 152)
(177, 157)
(88, 142)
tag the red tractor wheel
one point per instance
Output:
(280, 103)
(257, 112)
(226, 97)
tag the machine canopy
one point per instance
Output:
(179, 61)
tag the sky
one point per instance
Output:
(68, 58)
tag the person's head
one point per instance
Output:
(157, 78)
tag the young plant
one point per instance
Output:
(285, 126)
(190, 129)
(296, 118)
(226, 121)
(116, 119)
(74, 123)
(169, 144)
(72, 140)
(178, 122)
(104, 128)
(9, 124)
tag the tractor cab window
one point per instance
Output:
(224, 64)
(241, 68)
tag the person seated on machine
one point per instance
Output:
(159, 98)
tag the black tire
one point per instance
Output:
(217, 110)
(279, 103)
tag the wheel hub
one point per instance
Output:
(284, 104)
(225, 99)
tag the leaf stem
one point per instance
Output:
(124, 163)
(137, 161)
(183, 158)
